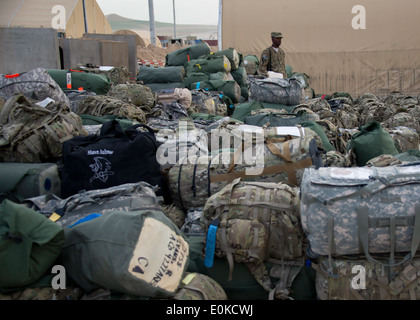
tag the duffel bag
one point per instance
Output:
(233, 56)
(210, 64)
(360, 279)
(229, 88)
(73, 79)
(366, 211)
(161, 75)
(35, 84)
(181, 56)
(109, 159)
(293, 279)
(371, 141)
(282, 91)
(88, 204)
(139, 252)
(180, 95)
(252, 222)
(30, 244)
(25, 180)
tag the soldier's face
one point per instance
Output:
(276, 42)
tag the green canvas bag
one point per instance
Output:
(29, 245)
(73, 79)
(371, 141)
(141, 252)
(181, 56)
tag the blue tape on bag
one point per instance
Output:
(197, 85)
(210, 246)
(87, 218)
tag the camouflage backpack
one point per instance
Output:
(253, 222)
(197, 286)
(207, 102)
(31, 133)
(134, 93)
(405, 138)
(101, 105)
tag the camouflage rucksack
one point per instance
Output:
(197, 286)
(253, 222)
(207, 102)
(31, 133)
(134, 93)
(101, 105)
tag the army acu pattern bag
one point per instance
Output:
(36, 84)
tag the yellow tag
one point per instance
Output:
(54, 217)
(188, 278)
(225, 66)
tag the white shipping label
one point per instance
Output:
(351, 173)
(160, 256)
(293, 131)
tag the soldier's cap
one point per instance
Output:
(276, 34)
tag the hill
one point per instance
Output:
(118, 22)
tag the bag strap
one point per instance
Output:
(363, 228)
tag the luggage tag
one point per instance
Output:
(211, 243)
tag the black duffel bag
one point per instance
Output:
(112, 158)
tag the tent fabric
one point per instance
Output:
(39, 14)
(320, 40)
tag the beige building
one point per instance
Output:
(49, 14)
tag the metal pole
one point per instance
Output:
(219, 27)
(152, 23)
(84, 15)
(173, 1)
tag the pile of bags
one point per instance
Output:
(202, 180)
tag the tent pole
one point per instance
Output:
(219, 27)
(85, 17)
(152, 23)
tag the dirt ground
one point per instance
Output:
(153, 52)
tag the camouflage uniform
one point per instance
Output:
(277, 60)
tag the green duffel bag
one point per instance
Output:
(371, 141)
(140, 252)
(72, 79)
(239, 75)
(229, 88)
(210, 64)
(243, 110)
(181, 56)
(194, 77)
(25, 180)
(29, 245)
(233, 56)
(161, 75)
(299, 282)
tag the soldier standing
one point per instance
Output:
(273, 58)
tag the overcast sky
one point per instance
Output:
(186, 11)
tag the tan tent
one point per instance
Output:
(143, 37)
(355, 46)
(41, 14)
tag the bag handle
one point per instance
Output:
(363, 228)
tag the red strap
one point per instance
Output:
(9, 76)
